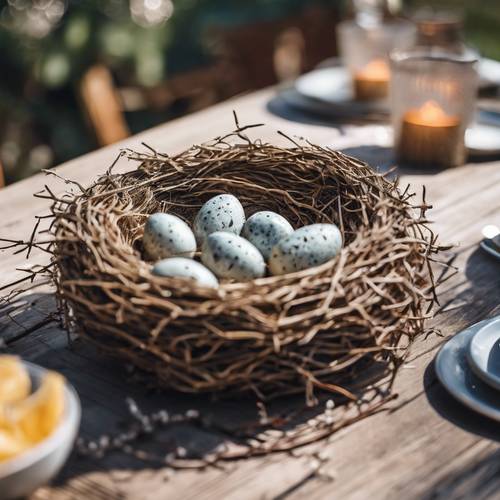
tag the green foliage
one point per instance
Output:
(45, 54)
(92, 30)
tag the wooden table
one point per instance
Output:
(427, 446)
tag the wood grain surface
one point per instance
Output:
(425, 446)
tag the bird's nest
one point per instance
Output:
(324, 327)
(342, 328)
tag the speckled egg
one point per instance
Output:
(221, 213)
(179, 267)
(306, 247)
(166, 235)
(265, 229)
(231, 256)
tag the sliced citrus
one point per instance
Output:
(11, 445)
(26, 419)
(15, 384)
(38, 415)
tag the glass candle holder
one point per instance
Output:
(433, 97)
(364, 46)
(440, 30)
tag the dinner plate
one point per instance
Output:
(489, 72)
(331, 86)
(454, 372)
(482, 139)
(484, 354)
(317, 108)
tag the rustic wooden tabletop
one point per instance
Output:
(427, 446)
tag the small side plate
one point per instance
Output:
(331, 86)
(483, 139)
(454, 372)
(484, 354)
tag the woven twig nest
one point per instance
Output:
(321, 327)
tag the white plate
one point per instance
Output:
(331, 114)
(454, 372)
(489, 71)
(332, 87)
(484, 354)
(21, 475)
(483, 139)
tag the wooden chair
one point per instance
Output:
(2, 177)
(262, 53)
(102, 106)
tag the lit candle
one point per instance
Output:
(372, 81)
(429, 136)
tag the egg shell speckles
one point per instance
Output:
(179, 267)
(221, 213)
(306, 247)
(165, 235)
(231, 256)
(265, 229)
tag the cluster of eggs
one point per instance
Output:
(233, 247)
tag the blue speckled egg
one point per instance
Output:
(306, 247)
(179, 267)
(265, 229)
(166, 235)
(221, 213)
(231, 256)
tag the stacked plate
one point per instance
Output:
(468, 366)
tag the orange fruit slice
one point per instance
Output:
(11, 445)
(26, 419)
(15, 383)
(38, 415)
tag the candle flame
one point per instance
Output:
(431, 111)
(431, 114)
(378, 69)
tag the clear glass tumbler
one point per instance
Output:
(433, 97)
(364, 47)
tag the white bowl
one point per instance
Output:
(21, 475)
